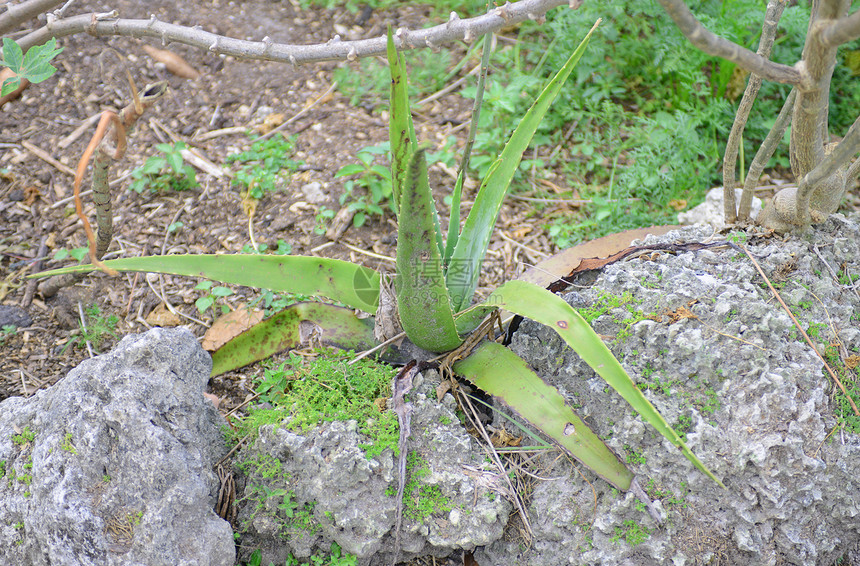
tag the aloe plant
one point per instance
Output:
(434, 286)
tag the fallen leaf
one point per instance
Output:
(172, 62)
(161, 316)
(561, 264)
(678, 204)
(214, 398)
(229, 326)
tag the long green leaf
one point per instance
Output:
(401, 132)
(422, 298)
(534, 302)
(337, 326)
(338, 280)
(500, 372)
(468, 255)
(454, 219)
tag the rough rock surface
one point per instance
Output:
(113, 464)
(723, 362)
(711, 211)
(338, 494)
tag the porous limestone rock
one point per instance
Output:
(113, 464)
(712, 349)
(337, 494)
(711, 212)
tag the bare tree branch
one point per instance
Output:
(768, 33)
(764, 153)
(20, 13)
(809, 124)
(717, 46)
(854, 170)
(843, 30)
(838, 158)
(455, 29)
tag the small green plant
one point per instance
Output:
(322, 219)
(214, 292)
(98, 328)
(6, 331)
(25, 437)
(327, 389)
(170, 172)
(262, 164)
(631, 532)
(35, 66)
(68, 445)
(77, 253)
(18, 526)
(421, 500)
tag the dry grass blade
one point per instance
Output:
(802, 331)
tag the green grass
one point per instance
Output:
(327, 389)
(641, 133)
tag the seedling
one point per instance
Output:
(263, 163)
(214, 293)
(34, 66)
(170, 172)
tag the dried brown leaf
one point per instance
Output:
(172, 62)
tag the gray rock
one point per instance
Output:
(113, 464)
(313, 192)
(11, 315)
(738, 379)
(339, 495)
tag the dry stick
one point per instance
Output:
(765, 152)
(802, 331)
(17, 14)
(301, 112)
(30, 290)
(768, 33)
(366, 353)
(45, 156)
(455, 29)
(84, 328)
(712, 44)
(472, 415)
(399, 388)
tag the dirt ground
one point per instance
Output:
(38, 214)
(37, 211)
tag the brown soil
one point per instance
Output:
(37, 211)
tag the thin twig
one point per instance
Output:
(84, 329)
(802, 331)
(46, 157)
(301, 112)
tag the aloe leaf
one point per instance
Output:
(341, 281)
(500, 372)
(538, 304)
(401, 132)
(464, 267)
(454, 220)
(422, 298)
(337, 326)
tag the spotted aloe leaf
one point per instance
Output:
(290, 328)
(500, 372)
(475, 237)
(422, 297)
(534, 302)
(341, 281)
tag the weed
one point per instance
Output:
(421, 500)
(321, 220)
(632, 533)
(6, 331)
(98, 328)
(634, 457)
(25, 437)
(68, 445)
(2, 468)
(336, 557)
(262, 164)
(850, 379)
(34, 66)
(327, 389)
(214, 293)
(375, 180)
(77, 253)
(160, 174)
